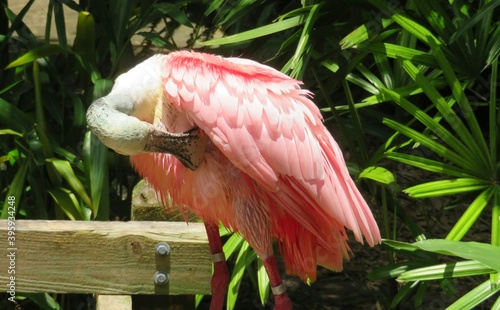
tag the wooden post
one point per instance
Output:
(114, 302)
(106, 257)
(146, 207)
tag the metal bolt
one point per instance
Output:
(162, 248)
(161, 278)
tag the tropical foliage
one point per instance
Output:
(407, 87)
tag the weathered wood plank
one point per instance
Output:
(146, 207)
(107, 257)
(113, 302)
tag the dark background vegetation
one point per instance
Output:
(408, 89)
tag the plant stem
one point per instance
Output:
(494, 117)
(356, 123)
(40, 117)
(495, 229)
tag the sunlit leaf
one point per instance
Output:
(233, 244)
(474, 297)
(85, 38)
(68, 203)
(394, 270)
(427, 164)
(431, 144)
(245, 256)
(66, 171)
(469, 146)
(44, 300)
(10, 132)
(16, 189)
(96, 165)
(419, 31)
(477, 142)
(378, 174)
(470, 216)
(397, 51)
(13, 118)
(446, 187)
(39, 52)
(481, 252)
(449, 270)
(174, 12)
(263, 282)
(486, 9)
(363, 33)
(258, 32)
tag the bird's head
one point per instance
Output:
(123, 120)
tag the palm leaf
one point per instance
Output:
(257, 32)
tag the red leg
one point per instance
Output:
(220, 278)
(281, 299)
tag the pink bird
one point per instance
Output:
(238, 143)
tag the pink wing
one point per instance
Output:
(269, 128)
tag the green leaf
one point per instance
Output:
(449, 270)
(496, 305)
(60, 22)
(43, 300)
(431, 144)
(298, 59)
(470, 216)
(263, 282)
(13, 118)
(257, 32)
(446, 187)
(245, 256)
(64, 168)
(359, 81)
(174, 12)
(157, 40)
(38, 192)
(474, 297)
(394, 270)
(378, 174)
(16, 189)
(68, 203)
(121, 13)
(39, 52)
(363, 33)
(233, 244)
(473, 150)
(437, 17)
(85, 39)
(481, 252)
(197, 300)
(94, 155)
(485, 10)
(397, 51)
(403, 293)
(427, 164)
(398, 245)
(10, 132)
(39, 106)
(475, 139)
(419, 31)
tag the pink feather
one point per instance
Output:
(271, 164)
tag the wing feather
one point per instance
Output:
(269, 128)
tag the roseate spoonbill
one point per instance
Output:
(240, 143)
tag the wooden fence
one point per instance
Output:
(110, 258)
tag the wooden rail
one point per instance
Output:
(107, 257)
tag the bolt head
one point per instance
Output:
(161, 278)
(162, 248)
